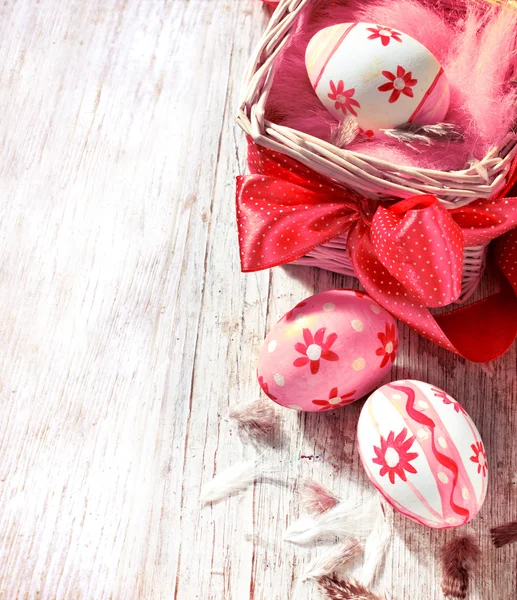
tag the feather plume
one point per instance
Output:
(344, 132)
(345, 589)
(331, 560)
(257, 421)
(315, 498)
(233, 480)
(504, 534)
(459, 558)
(425, 135)
(375, 549)
(488, 368)
(344, 520)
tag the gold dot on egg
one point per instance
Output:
(442, 441)
(465, 493)
(301, 320)
(359, 364)
(443, 477)
(329, 307)
(335, 401)
(423, 404)
(396, 396)
(357, 325)
(375, 309)
(451, 521)
(295, 407)
(271, 346)
(422, 434)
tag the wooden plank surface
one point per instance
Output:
(127, 330)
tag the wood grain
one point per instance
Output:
(127, 330)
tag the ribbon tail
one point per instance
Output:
(480, 332)
(486, 329)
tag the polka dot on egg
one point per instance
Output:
(359, 364)
(443, 477)
(329, 307)
(271, 346)
(357, 325)
(279, 380)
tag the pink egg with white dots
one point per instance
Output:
(423, 453)
(328, 351)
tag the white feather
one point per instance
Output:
(233, 480)
(344, 520)
(332, 559)
(375, 549)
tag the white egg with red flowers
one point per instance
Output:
(378, 75)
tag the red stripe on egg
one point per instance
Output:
(339, 42)
(426, 95)
(444, 460)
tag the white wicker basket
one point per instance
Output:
(366, 175)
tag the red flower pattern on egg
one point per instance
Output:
(394, 456)
(389, 347)
(343, 99)
(398, 83)
(479, 457)
(335, 400)
(368, 133)
(265, 388)
(385, 34)
(315, 349)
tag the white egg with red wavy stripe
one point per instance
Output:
(423, 453)
(378, 75)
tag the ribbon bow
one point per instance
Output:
(408, 256)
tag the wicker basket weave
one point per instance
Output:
(366, 175)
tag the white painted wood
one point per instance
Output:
(126, 329)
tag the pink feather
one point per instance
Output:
(477, 47)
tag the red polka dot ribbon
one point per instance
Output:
(407, 255)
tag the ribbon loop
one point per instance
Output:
(422, 247)
(280, 221)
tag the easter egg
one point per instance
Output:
(423, 453)
(328, 351)
(379, 75)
